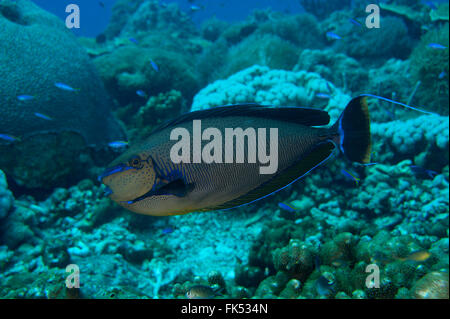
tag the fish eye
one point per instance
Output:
(135, 162)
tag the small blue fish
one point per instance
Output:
(9, 138)
(167, 230)
(65, 87)
(195, 8)
(429, 4)
(325, 284)
(43, 116)
(437, 46)
(25, 97)
(118, 144)
(333, 35)
(287, 207)
(442, 75)
(141, 93)
(355, 22)
(423, 172)
(133, 40)
(154, 66)
(350, 176)
(323, 96)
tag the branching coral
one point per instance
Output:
(261, 85)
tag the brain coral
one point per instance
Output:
(36, 52)
(260, 84)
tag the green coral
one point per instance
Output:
(157, 109)
(427, 64)
(37, 52)
(129, 69)
(267, 50)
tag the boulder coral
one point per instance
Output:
(38, 52)
(430, 66)
(129, 68)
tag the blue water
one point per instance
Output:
(95, 17)
(358, 204)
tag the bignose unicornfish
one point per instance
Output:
(145, 180)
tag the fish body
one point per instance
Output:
(118, 144)
(323, 96)
(333, 35)
(43, 116)
(9, 138)
(287, 207)
(437, 46)
(167, 230)
(133, 40)
(65, 87)
(154, 65)
(202, 292)
(141, 93)
(325, 284)
(353, 21)
(429, 4)
(423, 172)
(145, 179)
(350, 176)
(195, 8)
(420, 255)
(25, 97)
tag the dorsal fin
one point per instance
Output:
(299, 115)
(299, 169)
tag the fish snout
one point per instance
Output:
(124, 183)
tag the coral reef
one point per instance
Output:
(266, 50)
(158, 108)
(321, 8)
(321, 237)
(344, 72)
(371, 46)
(39, 52)
(427, 65)
(259, 84)
(139, 17)
(129, 68)
(6, 198)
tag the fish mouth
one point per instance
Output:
(108, 191)
(176, 187)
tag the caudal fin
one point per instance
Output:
(354, 131)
